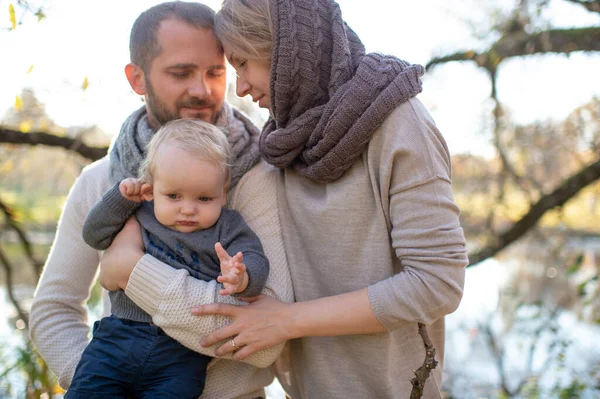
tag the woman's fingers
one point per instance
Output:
(215, 308)
(224, 333)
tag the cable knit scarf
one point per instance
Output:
(327, 96)
(129, 148)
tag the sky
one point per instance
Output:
(89, 38)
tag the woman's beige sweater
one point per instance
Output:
(390, 224)
(58, 320)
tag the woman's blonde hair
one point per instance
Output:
(199, 139)
(245, 26)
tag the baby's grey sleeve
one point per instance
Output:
(106, 218)
(241, 238)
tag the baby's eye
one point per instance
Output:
(172, 196)
(204, 199)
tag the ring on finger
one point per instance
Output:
(234, 345)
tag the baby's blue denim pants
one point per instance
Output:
(130, 359)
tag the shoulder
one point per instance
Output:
(230, 218)
(93, 182)
(96, 174)
(409, 123)
(408, 132)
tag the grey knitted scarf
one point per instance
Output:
(129, 148)
(327, 96)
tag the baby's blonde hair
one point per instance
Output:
(246, 28)
(199, 139)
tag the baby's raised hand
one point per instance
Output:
(233, 272)
(134, 189)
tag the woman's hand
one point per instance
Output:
(120, 258)
(264, 323)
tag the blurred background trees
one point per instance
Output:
(531, 213)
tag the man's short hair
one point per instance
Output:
(143, 41)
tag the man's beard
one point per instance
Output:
(161, 112)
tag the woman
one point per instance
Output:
(369, 225)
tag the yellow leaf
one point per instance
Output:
(18, 103)
(85, 84)
(13, 16)
(40, 15)
(25, 126)
(30, 69)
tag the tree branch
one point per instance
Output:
(10, 220)
(590, 5)
(11, 136)
(9, 286)
(558, 197)
(422, 373)
(519, 44)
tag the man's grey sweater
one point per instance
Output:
(193, 252)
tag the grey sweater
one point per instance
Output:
(193, 252)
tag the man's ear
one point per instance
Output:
(135, 76)
(146, 192)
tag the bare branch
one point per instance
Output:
(9, 286)
(519, 44)
(590, 5)
(11, 221)
(11, 136)
(422, 373)
(558, 197)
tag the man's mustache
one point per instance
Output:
(195, 103)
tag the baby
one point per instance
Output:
(178, 201)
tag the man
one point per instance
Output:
(179, 68)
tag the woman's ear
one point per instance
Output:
(147, 193)
(135, 76)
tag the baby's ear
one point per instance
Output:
(147, 194)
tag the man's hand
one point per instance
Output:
(120, 258)
(233, 272)
(135, 190)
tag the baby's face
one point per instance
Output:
(189, 193)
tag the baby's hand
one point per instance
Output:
(133, 189)
(233, 272)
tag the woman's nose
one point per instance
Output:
(242, 88)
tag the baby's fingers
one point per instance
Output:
(229, 278)
(221, 253)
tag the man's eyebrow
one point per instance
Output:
(182, 66)
(194, 66)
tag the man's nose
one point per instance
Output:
(199, 89)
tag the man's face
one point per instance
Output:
(188, 78)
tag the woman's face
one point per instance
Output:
(252, 78)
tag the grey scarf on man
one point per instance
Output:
(129, 148)
(327, 96)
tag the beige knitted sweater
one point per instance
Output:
(390, 224)
(58, 320)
